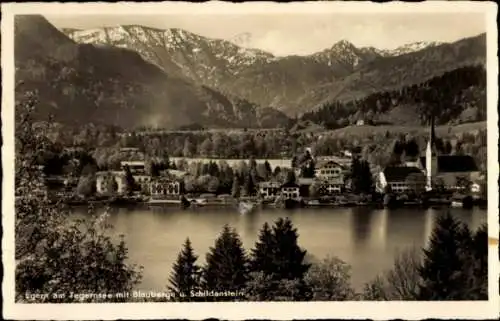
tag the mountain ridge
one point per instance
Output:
(176, 78)
(86, 83)
(293, 84)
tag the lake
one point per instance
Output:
(367, 239)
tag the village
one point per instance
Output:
(308, 180)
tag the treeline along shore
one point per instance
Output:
(303, 181)
(355, 165)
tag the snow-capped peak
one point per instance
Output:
(409, 48)
(196, 56)
(343, 45)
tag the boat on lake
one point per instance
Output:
(314, 203)
(462, 201)
(246, 207)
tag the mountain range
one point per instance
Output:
(83, 83)
(174, 77)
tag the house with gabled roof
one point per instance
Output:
(401, 179)
(328, 169)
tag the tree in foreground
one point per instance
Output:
(329, 280)
(185, 276)
(54, 255)
(226, 266)
(262, 254)
(480, 263)
(262, 287)
(475, 258)
(375, 290)
(288, 257)
(454, 265)
(402, 282)
(279, 261)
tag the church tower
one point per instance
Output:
(431, 157)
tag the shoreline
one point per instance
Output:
(175, 203)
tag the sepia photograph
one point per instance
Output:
(259, 153)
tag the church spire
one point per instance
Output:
(431, 156)
(432, 135)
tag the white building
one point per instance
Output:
(269, 189)
(162, 187)
(106, 180)
(290, 191)
(401, 179)
(328, 170)
(110, 182)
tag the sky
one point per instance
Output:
(301, 34)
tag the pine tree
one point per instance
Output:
(444, 270)
(290, 177)
(367, 180)
(253, 163)
(262, 254)
(362, 181)
(279, 260)
(227, 266)
(185, 276)
(268, 168)
(356, 175)
(130, 185)
(288, 256)
(277, 253)
(480, 247)
(235, 189)
(248, 185)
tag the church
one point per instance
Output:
(446, 171)
(432, 171)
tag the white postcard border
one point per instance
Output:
(247, 310)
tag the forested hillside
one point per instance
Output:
(455, 97)
(392, 73)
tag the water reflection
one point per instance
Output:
(367, 239)
(250, 222)
(361, 226)
(379, 228)
(429, 225)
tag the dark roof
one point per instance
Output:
(454, 163)
(270, 184)
(289, 184)
(325, 162)
(399, 173)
